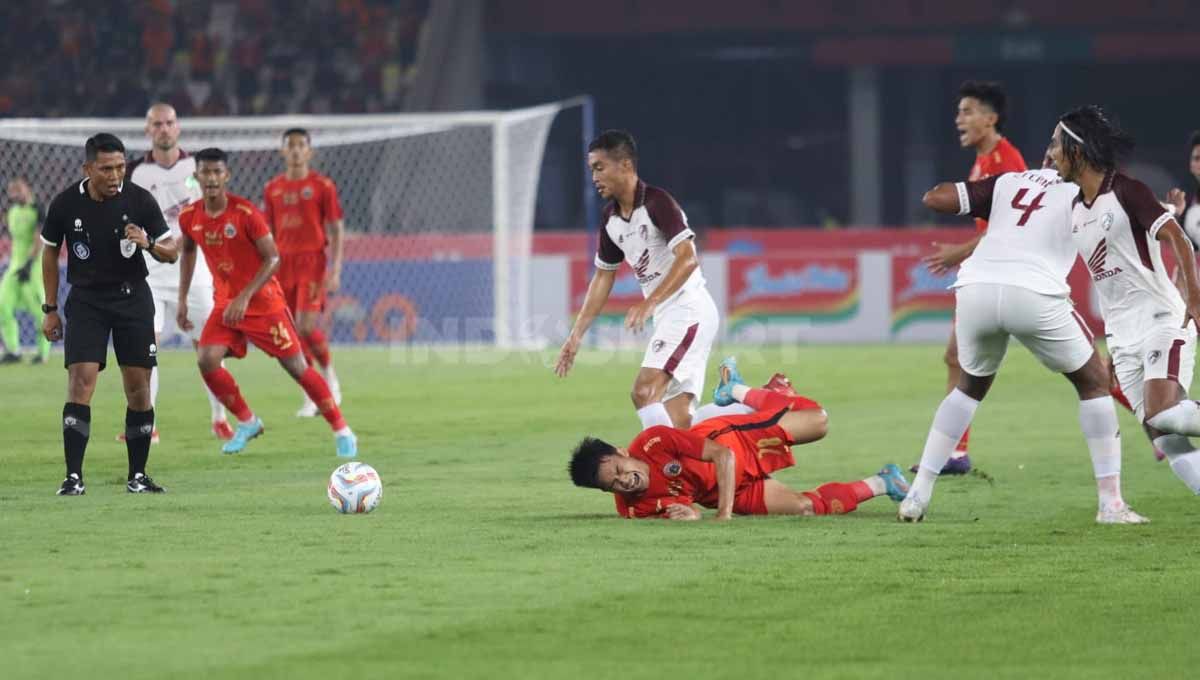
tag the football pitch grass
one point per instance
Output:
(483, 561)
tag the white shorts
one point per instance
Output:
(684, 332)
(986, 314)
(1168, 352)
(166, 307)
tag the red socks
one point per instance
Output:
(318, 390)
(316, 347)
(1120, 397)
(767, 400)
(221, 383)
(836, 498)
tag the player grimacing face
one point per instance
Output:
(213, 177)
(296, 151)
(107, 172)
(608, 173)
(162, 128)
(974, 120)
(621, 474)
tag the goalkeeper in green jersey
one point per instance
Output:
(21, 287)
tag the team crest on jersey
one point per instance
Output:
(82, 251)
(673, 468)
(1154, 357)
(230, 230)
(657, 346)
(1106, 221)
(306, 193)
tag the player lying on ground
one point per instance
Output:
(1118, 227)
(248, 302)
(1015, 284)
(724, 463)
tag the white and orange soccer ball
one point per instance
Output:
(355, 488)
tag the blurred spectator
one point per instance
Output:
(279, 56)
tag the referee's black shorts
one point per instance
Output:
(126, 311)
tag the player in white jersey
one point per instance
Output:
(169, 173)
(645, 227)
(1117, 225)
(1015, 284)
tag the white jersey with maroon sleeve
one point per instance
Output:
(1027, 243)
(1117, 237)
(173, 188)
(647, 239)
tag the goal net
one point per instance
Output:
(438, 207)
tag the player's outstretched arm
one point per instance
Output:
(1185, 259)
(942, 198)
(597, 294)
(722, 458)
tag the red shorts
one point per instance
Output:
(302, 276)
(274, 334)
(760, 446)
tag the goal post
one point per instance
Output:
(439, 207)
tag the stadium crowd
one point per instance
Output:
(208, 58)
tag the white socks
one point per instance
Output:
(951, 420)
(1184, 458)
(654, 414)
(153, 386)
(713, 411)
(1182, 418)
(1098, 421)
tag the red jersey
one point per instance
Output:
(1004, 158)
(227, 241)
(678, 474)
(299, 209)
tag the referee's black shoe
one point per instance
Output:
(143, 484)
(71, 486)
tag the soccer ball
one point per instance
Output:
(354, 488)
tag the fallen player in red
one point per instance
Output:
(725, 462)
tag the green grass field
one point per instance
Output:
(484, 562)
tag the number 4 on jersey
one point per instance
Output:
(1027, 209)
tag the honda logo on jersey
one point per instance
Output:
(1096, 262)
(640, 268)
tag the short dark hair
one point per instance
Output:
(586, 459)
(102, 142)
(989, 92)
(1195, 140)
(618, 143)
(212, 154)
(296, 131)
(1101, 142)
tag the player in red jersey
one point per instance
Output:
(980, 120)
(248, 302)
(305, 215)
(724, 463)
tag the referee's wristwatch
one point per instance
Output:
(46, 309)
(149, 242)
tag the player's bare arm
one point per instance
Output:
(722, 458)
(597, 294)
(52, 323)
(1181, 247)
(686, 262)
(270, 264)
(943, 198)
(35, 249)
(337, 232)
(187, 267)
(164, 249)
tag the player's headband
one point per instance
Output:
(1069, 132)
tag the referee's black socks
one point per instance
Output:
(77, 426)
(139, 425)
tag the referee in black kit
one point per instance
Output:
(103, 222)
